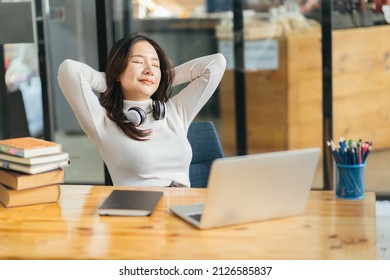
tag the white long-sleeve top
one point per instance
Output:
(166, 156)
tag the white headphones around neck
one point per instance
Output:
(137, 116)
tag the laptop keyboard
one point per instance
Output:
(196, 217)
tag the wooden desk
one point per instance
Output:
(71, 229)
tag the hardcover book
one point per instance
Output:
(33, 169)
(130, 203)
(35, 160)
(21, 181)
(12, 198)
(28, 147)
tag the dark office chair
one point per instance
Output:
(107, 177)
(16, 123)
(206, 147)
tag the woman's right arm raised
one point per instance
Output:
(79, 82)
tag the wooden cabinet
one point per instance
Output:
(284, 106)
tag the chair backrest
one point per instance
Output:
(107, 177)
(206, 147)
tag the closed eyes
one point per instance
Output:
(142, 59)
(142, 62)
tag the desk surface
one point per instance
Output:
(72, 229)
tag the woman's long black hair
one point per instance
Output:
(112, 98)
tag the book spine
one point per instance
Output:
(13, 198)
(4, 164)
(11, 151)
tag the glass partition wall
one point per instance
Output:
(361, 84)
(271, 97)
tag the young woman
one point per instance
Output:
(139, 130)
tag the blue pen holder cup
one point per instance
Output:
(350, 181)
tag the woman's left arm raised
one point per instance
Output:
(204, 75)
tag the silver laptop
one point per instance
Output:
(252, 188)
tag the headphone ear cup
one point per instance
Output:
(158, 109)
(136, 116)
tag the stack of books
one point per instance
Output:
(31, 171)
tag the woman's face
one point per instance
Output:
(142, 75)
